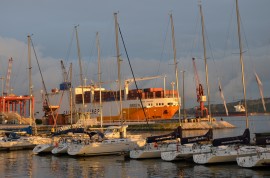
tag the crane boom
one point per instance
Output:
(8, 76)
(200, 96)
(129, 81)
(64, 72)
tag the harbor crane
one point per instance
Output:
(201, 111)
(129, 81)
(7, 89)
(66, 84)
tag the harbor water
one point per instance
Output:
(25, 164)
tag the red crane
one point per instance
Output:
(201, 111)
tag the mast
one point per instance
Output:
(119, 70)
(184, 109)
(205, 63)
(70, 95)
(241, 61)
(81, 74)
(30, 77)
(99, 80)
(31, 104)
(175, 68)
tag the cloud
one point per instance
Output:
(226, 68)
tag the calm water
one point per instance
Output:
(25, 164)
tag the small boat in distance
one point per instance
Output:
(239, 110)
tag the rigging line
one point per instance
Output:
(43, 83)
(133, 74)
(70, 45)
(92, 47)
(196, 36)
(163, 46)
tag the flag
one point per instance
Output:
(261, 89)
(222, 97)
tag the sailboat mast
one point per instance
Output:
(80, 65)
(241, 61)
(205, 62)
(31, 102)
(30, 78)
(70, 95)
(175, 68)
(99, 80)
(119, 66)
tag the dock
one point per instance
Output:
(166, 125)
(185, 126)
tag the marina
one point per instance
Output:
(126, 112)
(29, 164)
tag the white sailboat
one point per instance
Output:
(226, 149)
(43, 148)
(187, 147)
(155, 145)
(106, 146)
(255, 156)
(159, 144)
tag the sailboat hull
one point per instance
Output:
(220, 154)
(256, 160)
(151, 150)
(106, 147)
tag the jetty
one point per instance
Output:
(185, 126)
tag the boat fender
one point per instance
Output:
(155, 145)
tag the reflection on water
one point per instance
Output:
(24, 164)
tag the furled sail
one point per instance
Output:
(261, 89)
(222, 97)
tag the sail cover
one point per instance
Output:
(242, 139)
(208, 136)
(177, 133)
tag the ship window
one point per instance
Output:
(170, 104)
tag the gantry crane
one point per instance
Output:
(201, 111)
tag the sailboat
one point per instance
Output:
(187, 147)
(105, 145)
(155, 145)
(226, 149)
(255, 156)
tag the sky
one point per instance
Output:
(145, 27)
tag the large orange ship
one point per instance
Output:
(158, 103)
